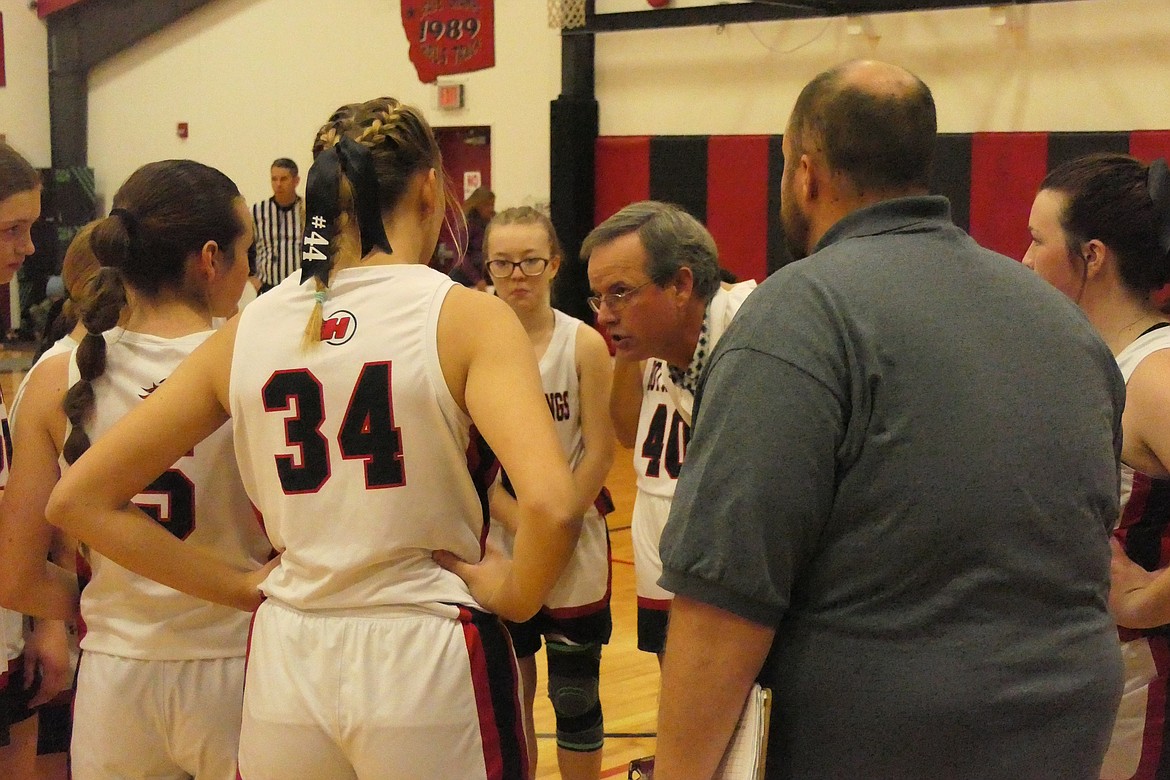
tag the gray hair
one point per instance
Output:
(672, 238)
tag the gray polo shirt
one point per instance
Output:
(905, 459)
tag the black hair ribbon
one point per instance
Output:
(322, 208)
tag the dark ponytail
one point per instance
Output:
(165, 212)
(1121, 202)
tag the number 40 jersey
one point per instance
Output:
(661, 444)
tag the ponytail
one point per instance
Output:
(342, 181)
(112, 240)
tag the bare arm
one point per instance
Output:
(625, 400)
(595, 375)
(92, 501)
(29, 583)
(1145, 425)
(712, 658)
(1138, 598)
(488, 363)
(504, 508)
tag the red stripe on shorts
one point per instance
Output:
(1154, 735)
(488, 729)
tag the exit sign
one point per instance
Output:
(450, 96)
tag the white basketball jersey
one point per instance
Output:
(661, 444)
(1129, 359)
(585, 580)
(354, 450)
(558, 375)
(663, 428)
(200, 500)
(62, 345)
(11, 623)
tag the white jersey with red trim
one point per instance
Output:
(200, 500)
(354, 450)
(661, 443)
(558, 375)
(1137, 748)
(584, 584)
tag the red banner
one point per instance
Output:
(449, 36)
(46, 7)
(3, 78)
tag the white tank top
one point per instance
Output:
(354, 450)
(661, 444)
(200, 500)
(1128, 361)
(583, 586)
(558, 375)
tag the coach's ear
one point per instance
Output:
(683, 284)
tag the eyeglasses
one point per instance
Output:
(614, 300)
(529, 266)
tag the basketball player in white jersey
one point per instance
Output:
(1100, 229)
(160, 684)
(31, 674)
(358, 438)
(655, 273)
(55, 722)
(522, 256)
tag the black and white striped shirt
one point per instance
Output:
(278, 239)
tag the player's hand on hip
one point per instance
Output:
(47, 650)
(251, 595)
(484, 579)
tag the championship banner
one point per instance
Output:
(449, 36)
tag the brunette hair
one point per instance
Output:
(165, 212)
(1108, 198)
(16, 175)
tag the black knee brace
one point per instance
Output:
(573, 672)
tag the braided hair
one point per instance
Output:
(165, 212)
(379, 145)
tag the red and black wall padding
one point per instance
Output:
(732, 183)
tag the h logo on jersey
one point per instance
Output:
(338, 328)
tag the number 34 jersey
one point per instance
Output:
(353, 449)
(200, 499)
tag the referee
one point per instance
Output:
(280, 222)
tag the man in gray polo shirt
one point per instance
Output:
(896, 503)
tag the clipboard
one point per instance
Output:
(747, 750)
